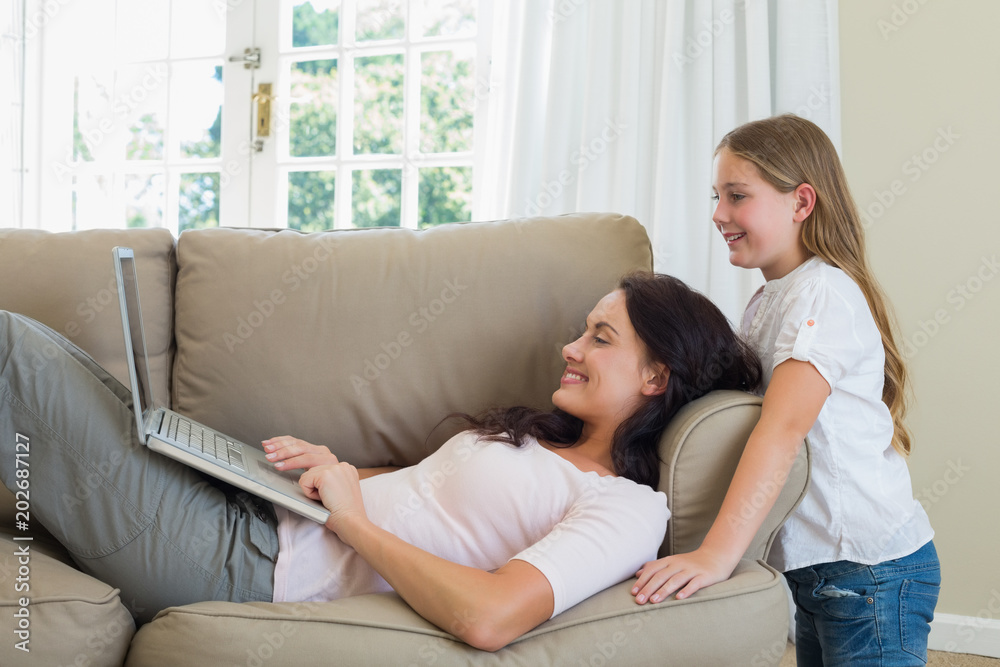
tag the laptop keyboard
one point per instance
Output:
(207, 442)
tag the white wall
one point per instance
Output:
(921, 145)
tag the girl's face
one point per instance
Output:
(759, 224)
(607, 372)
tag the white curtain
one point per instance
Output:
(617, 105)
(11, 111)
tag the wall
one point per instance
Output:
(921, 145)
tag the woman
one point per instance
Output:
(526, 514)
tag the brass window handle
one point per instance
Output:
(263, 98)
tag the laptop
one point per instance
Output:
(187, 441)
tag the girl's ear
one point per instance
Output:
(805, 200)
(655, 380)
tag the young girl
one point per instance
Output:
(857, 553)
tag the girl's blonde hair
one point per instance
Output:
(789, 151)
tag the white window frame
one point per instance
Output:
(268, 207)
(253, 185)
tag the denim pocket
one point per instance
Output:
(916, 611)
(846, 607)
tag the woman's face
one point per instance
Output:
(607, 372)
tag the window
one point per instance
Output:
(376, 112)
(150, 118)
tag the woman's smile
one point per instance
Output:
(573, 377)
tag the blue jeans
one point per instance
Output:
(852, 614)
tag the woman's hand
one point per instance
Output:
(288, 453)
(338, 488)
(684, 573)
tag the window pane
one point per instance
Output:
(196, 114)
(93, 115)
(310, 200)
(376, 197)
(447, 99)
(93, 207)
(313, 112)
(380, 19)
(144, 200)
(198, 201)
(198, 30)
(447, 18)
(142, 30)
(378, 104)
(315, 23)
(141, 106)
(445, 195)
(146, 139)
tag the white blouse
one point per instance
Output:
(481, 504)
(860, 505)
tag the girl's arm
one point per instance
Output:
(792, 403)
(288, 453)
(487, 610)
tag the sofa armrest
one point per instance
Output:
(55, 614)
(699, 453)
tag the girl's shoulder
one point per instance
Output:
(816, 279)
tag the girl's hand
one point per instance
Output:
(338, 488)
(684, 573)
(288, 453)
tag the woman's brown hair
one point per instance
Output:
(680, 328)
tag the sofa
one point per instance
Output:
(364, 340)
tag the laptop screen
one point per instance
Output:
(135, 338)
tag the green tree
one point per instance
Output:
(198, 205)
(310, 200)
(312, 28)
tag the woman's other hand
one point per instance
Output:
(338, 488)
(288, 453)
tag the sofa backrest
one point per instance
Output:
(67, 281)
(365, 340)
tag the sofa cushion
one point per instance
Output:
(609, 628)
(70, 619)
(67, 281)
(364, 340)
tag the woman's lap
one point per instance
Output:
(139, 521)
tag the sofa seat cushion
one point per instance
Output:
(608, 628)
(70, 619)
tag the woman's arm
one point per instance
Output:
(792, 403)
(486, 610)
(288, 453)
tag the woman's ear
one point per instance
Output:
(805, 201)
(655, 380)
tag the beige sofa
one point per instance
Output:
(364, 340)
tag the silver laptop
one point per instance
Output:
(189, 442)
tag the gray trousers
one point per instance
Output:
(152, 527)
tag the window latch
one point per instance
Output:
(250, 58)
